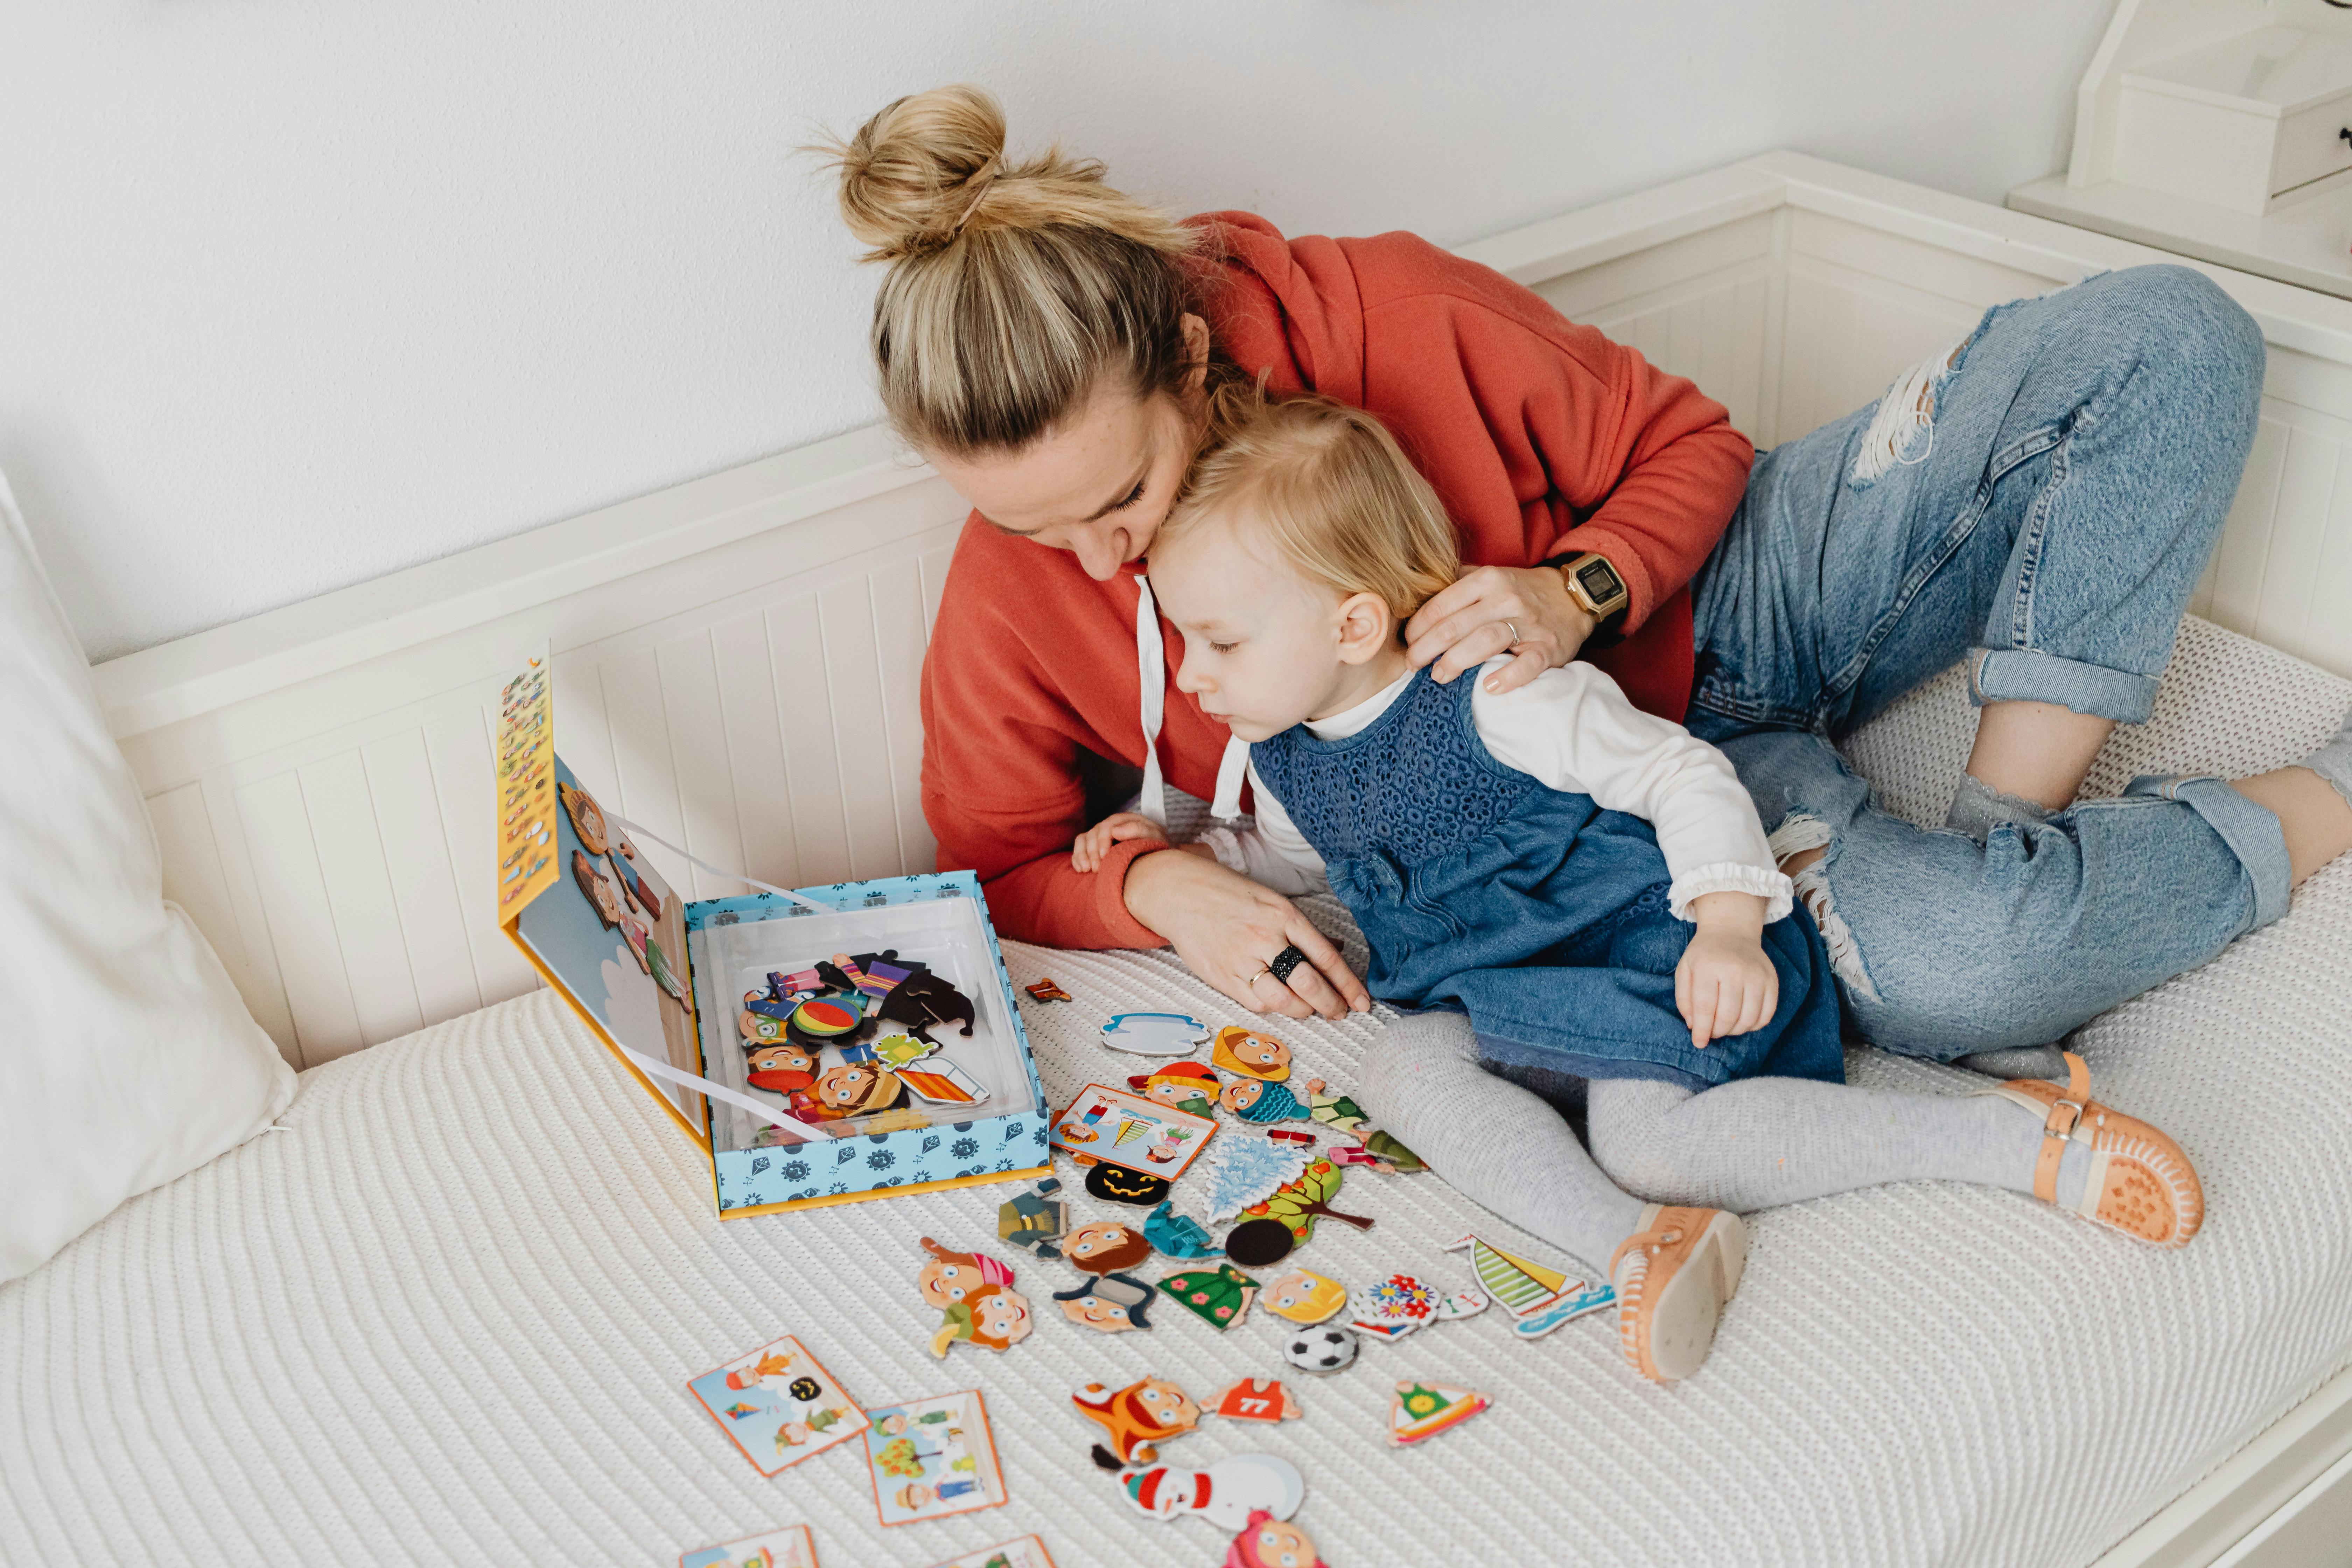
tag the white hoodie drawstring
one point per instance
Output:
(1152, 667)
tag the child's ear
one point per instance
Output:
(1366, 627)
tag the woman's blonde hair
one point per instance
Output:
(1013, 287)
(1328, 489)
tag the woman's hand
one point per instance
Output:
(1086, 853)
(1227, 929)
(1478, 615)
(1725, 985)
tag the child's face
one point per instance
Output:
(1263, 650)
(1280, 1546)
(1004, 1316)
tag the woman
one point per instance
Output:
(2044, 494)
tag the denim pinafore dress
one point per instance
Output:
(1542, 916)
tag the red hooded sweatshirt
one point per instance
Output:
(1543, 438)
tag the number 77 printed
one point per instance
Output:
(1255, 1399)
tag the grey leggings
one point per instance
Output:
(1747, 1145)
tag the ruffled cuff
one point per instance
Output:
(1731, 876)
(1226, 846)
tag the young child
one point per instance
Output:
(1589, 884)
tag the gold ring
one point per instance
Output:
(1259, 975)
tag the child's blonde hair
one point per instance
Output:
(1329, 490)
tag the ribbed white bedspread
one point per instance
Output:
(448, 1315)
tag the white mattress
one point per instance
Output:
(448, 1316)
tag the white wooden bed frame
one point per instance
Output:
(319, 781)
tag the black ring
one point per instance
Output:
(1283, 964)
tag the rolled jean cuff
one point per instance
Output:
(2023, 675)
(2252, 833)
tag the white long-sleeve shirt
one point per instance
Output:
(1570, 729)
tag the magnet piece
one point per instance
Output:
(825, 1016)
(1111, 1304)
(948, 1277)
(996, 1316)
(1422, 1410)
(1105, 1244)
(1255, 1399)
(759, 1029)
(1118, 1184)
(1304, 1296)
(1292, 1135)
(1325, 1348)
(856, 1089)
(1026, 1552)
(1244, 1167)
(1035, 1221)
(1046, 990)
(1136, 1419)
(1227, 1494)
(1179, 1236)
(1538, 1297)
(1300, 1203)
(1392, 1308)
(1219, 1297)
(779, 1069)
(1244, 1050)
(1266, 1541)
(1259, 1243)
(924, 1002)
(1155, 1033)
(941, 1083)
(896, 1051)
(1187, 1086)
(587, 817)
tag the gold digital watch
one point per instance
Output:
(1595, 586)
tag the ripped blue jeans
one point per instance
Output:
(2040, 499)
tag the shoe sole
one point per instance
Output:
(1690, 1304)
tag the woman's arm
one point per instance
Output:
(1573, 730)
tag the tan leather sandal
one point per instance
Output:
(1673, 1277)
(2140, 1183)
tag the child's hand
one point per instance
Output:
(1725, 985)
(1094, 843)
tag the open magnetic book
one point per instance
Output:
(821, 1045)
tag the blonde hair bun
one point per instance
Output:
(932, 167)
(1014, 286)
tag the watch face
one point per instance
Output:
(1600, 580)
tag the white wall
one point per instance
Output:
(294, 294)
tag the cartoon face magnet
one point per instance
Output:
(1113, 1304)
(781, 1068)
(1304, 1296)
(1136, 1419)
(757, 1030)
(1118, 1184)
(1251, 1053)
(856, 1089)
(1266, 1541)
(1106, 1245)
(587, 817)
(1155, 1033)
(1187, 1086)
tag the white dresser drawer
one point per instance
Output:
(2312, 144)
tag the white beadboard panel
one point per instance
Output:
(853, 682)
(419, 850)
(901, 632)
(698, 744)
(755, 749)
(349, 840)
(811, 759)
(301, 917)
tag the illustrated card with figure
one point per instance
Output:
(788, 1548)
(1026, 1552)
(779, 1406)
(934, 1458)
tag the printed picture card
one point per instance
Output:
(787, 1548)
(933, 1458)
(1026, 1552)
(779, 1405)
(1128, 1131)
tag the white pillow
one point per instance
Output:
(126, 1057)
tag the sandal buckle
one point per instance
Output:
(2050, 1129)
